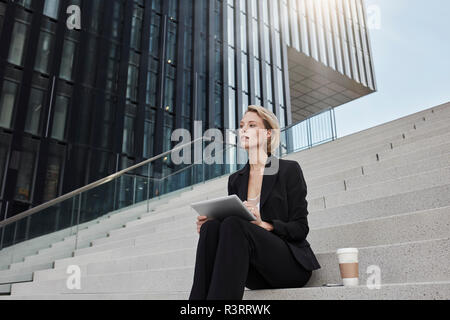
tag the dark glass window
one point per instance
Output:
(84, 110)
(18, 41)
(59, 117)
(5, 141)
(169, 96)
(26, 170)
(172, 42)
(218, 106)
(7, 102)
(232, 108)
(53, 173)
(117, 19)
(128, 129)
(51, 8)
(136, 27)
(156, 5)
(152, 77)
(154, 34)
(244, 72)
(89, 61)
(108, 122)
(35, 106)
(149, 131)
(186, 104)
(69, 49)
(187, 49)
(173, 6)
(168, 127)
(112, 69)
(218, 62)
(25, 3)
(133, 76)
(97, 7)
(2, 16)
(43, 52)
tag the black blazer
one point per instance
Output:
(283, 204)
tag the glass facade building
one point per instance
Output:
(78, 105)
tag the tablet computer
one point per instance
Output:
(223, 207)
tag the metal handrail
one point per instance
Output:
(94, 184)
(310, 117)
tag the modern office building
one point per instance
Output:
(78, 105)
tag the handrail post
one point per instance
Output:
(309, 133)
(78, 220)
(148, 188)
(203, 162)
(134, 189)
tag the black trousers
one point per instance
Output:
(234, 254)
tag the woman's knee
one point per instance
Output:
(231, 222)
(210, 225)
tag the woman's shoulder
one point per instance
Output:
(235, 175)
(289, 165)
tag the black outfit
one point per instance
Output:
(233, 254)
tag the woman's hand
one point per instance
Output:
(200, 221)
(254, 210)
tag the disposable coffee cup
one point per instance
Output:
(348, 265)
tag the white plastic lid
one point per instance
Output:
(347, 250)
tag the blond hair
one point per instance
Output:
(270, 121)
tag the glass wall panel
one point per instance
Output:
(51, 8)
(60, 116)
(25, 173)
(53, 172)
(67, 60)
(18, 41)
(35, 107)
(43, 52)
(7, 102)
(5, 141)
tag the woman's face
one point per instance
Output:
(252, 132)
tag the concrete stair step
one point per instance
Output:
(397, 291)
(407, 202)
(356, 158)
(23, 274)
(19, 251)
(395, 158)
(366, 181)
(414, 226)
(372, 176)
(387, 188)
(335, 173)
(394, 291)
(40, 260)
(4, 289)
(422, 131)
(126, 233)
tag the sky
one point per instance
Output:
(411, 56)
